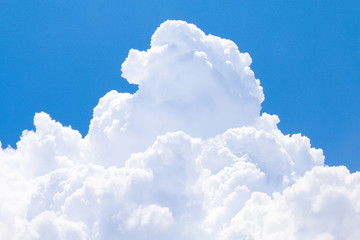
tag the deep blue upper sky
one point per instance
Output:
(62, 56)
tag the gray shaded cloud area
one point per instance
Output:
(188, 156)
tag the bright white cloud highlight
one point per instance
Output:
(186, 157)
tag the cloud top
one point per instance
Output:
(188, 81)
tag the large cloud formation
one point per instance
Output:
(188, 156)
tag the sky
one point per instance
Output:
(220, 125)
(61, 57)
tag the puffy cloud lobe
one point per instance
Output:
(188, 81)
(321, 205)
(186, 157)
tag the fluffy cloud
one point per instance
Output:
(186, 157)
(324, 204)
(187, 81)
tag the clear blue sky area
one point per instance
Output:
(62, 56)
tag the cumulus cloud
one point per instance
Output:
(188, 156)
(324, 204)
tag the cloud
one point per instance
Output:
(187, 81)
(321, 205)
(189, 156)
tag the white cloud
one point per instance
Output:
(152, 216)
(187, 81)
(186, 157)
(324, 204)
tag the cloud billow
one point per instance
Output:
(188, 156)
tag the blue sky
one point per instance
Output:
(61, 57)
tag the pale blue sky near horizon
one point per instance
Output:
(62, 56)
